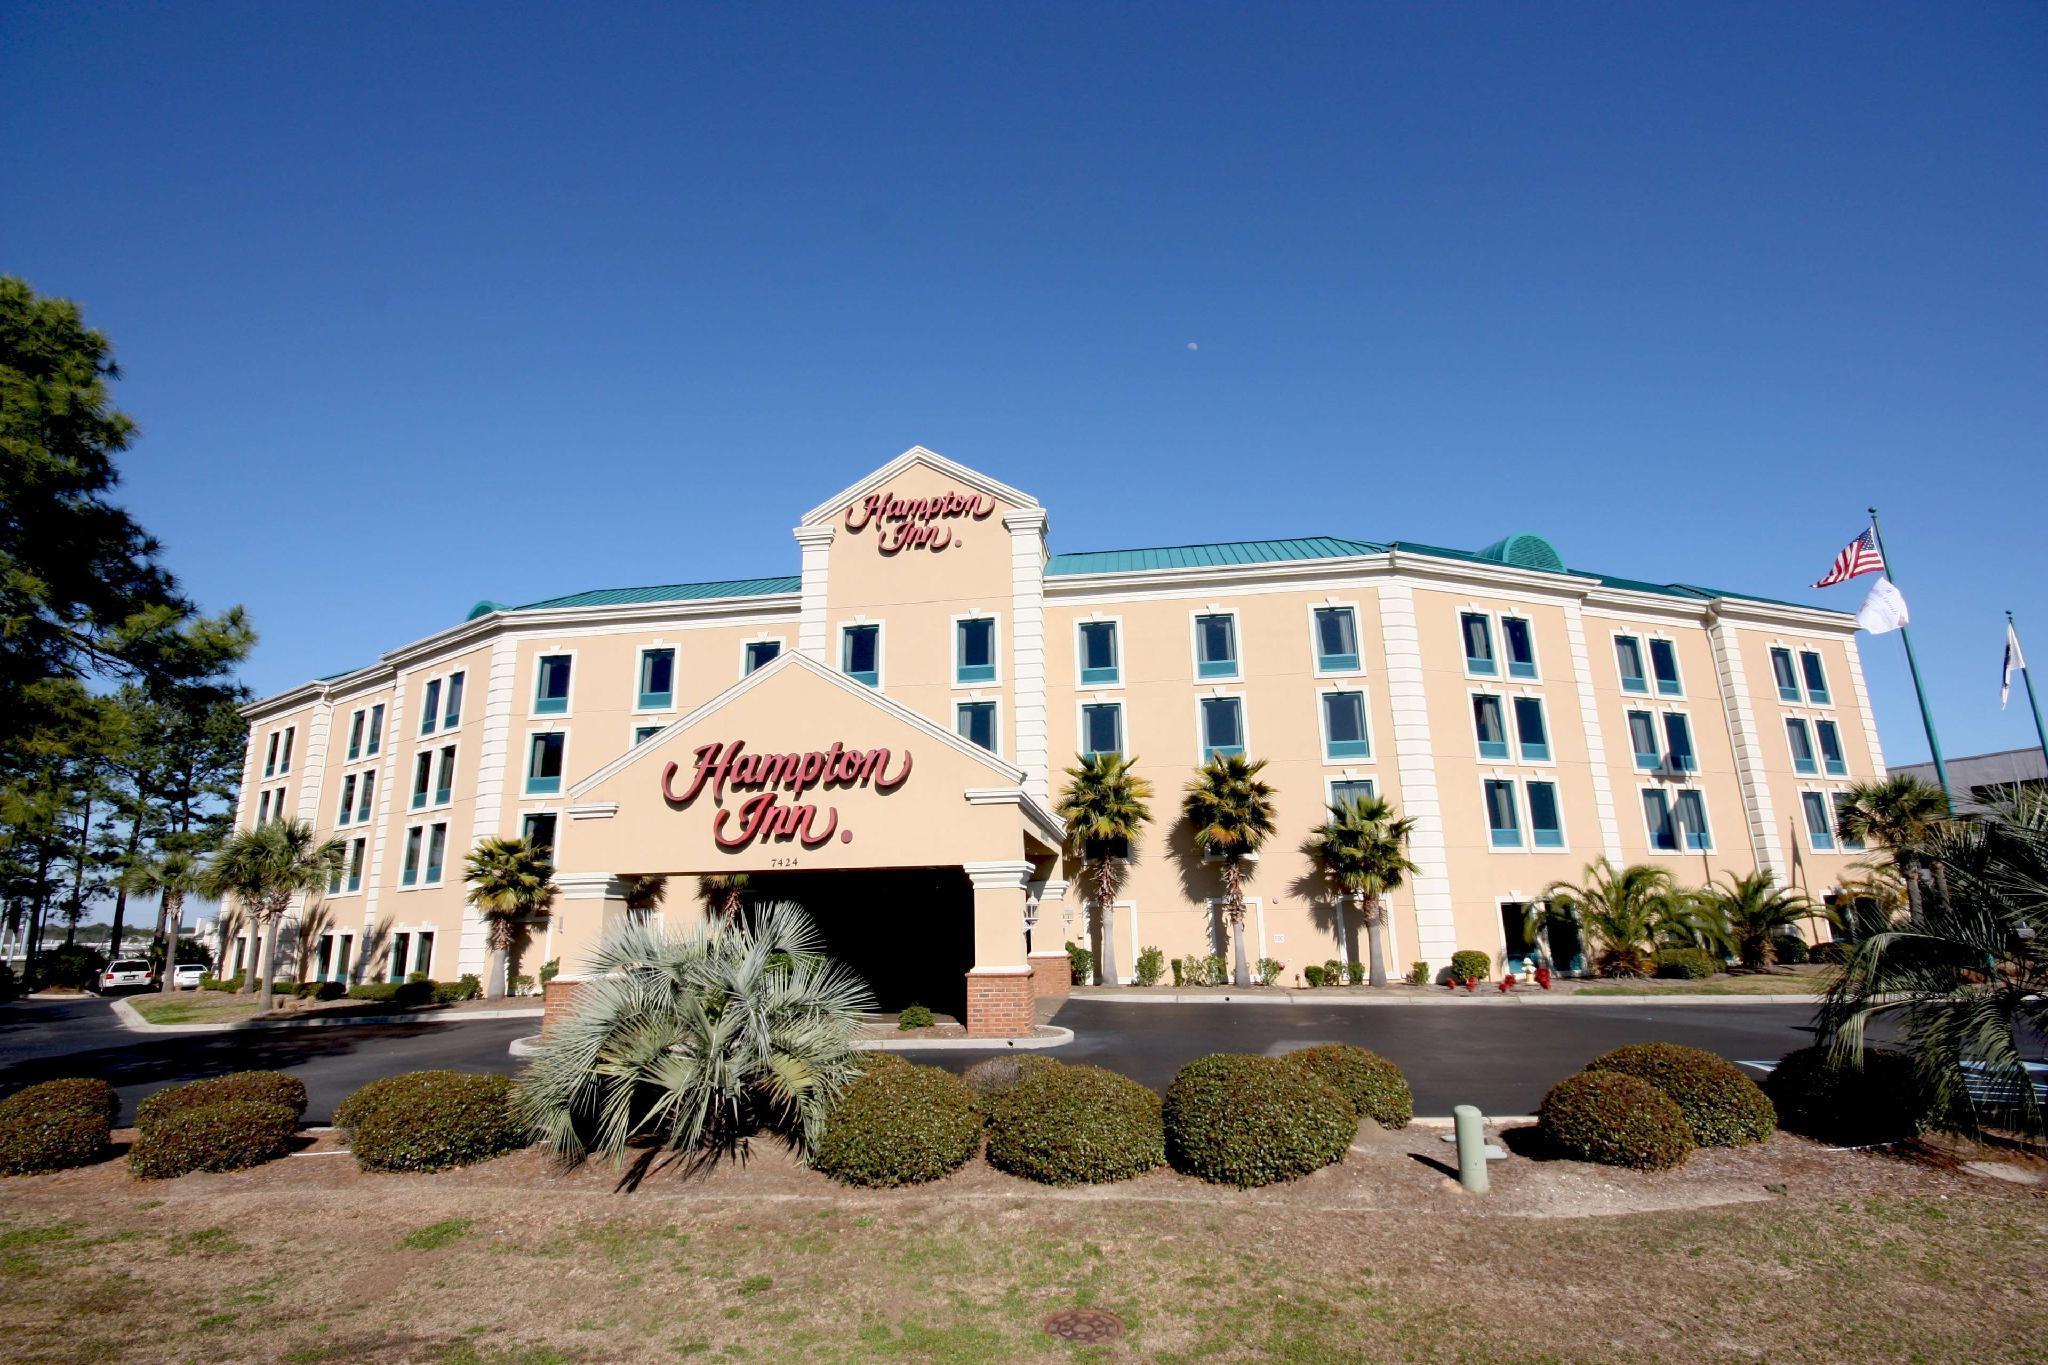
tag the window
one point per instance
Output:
(355, 864)
(1100, 666)
(1345, 790)
(1664, 663)
(976, 723)
(974, 650)
(422, 778)
(1344, 726)
(1816, 677)
(284, 758)
(1478, 633)
(430, 708)
(1102, 728)
(411, 874)
(551, 693)
(1801, 740)
(544, 764)
(355, 736)
(1336, 640)
(270, 754)
(369, 781)
(423, 954)
(1216, 646)
(1490, 726)
(1782, 674)
(1532, 736)
(1840, 802)
(1692, 820)
(643, 733)
(1678, 743)
(262, 809)
(334, 880)
(1628, 658)
(657, 679)
(1546, 825)
(399, 945)
(452, 717)
(539, 830)
(437, 846)
(444, 784)
(1831, 756)
(374, 740)
(1519, 638)
(761, 652)
(860, 654)
(1820, 824)
(1502, 819)
(348, 801)
(1222, 726)
(1657, 816)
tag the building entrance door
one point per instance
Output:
(909, 932)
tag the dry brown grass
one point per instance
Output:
(1788, 1252)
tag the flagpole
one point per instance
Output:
(1913, 667)
(2039, 735)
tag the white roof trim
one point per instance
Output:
(829, 509)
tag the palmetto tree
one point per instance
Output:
(697, 1040)
(1362, 847)
(1899, 814)
(724, 895)
(1106, 807)
(509, 880)
(1753, 910)
(264, 868)
(1231, 809)
(1625, 913)
(170, 876)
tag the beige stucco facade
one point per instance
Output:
(1499, 699)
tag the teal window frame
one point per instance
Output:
(549, 667)
(1664, 651)
(1784, 673)
(348, 800)
(536, 744)
(437, 854)
(422, 778)
(430, 706)
(1535, 750)
(1820, 837)
(1338, 660)
(864, 630)
(1100, 675)
(270, 753)
(363, 795)
(444, 775)
(1207, 666)
(284, 757)
(1689, 814)
(643, 733)
(656, 698)
(1651, 759)
(1630, 665)
(1799, 739)
(965, 711)
(415, 842)
(1216, 706)
(1334, 748)
(1813, 671)
(530, 826)
(355, 736)
(1833, 758)
(751, 660)
(1659, 821)
(1519, 667)
(1836, 801)
(451, 701)
(1486, 662)
(963, 630)
(356, 851)
(1486, 704)
(1499, 797)
(374, 740)
(1343, 789)
(1089, 710)
(1544, 834)
(1679, 751)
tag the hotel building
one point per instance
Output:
(881, 736)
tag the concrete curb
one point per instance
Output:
(1446, 999)
(131, 1018)
(1055, 1036)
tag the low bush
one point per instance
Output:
(10, 984)
(471, 985)
(1081, 963)
(429, 1121)
(1615, 1120)
(71, 964)
(1248, 1121)
(1312, 975)
(899, 1124)
(1073, 1125)
(218, 983)
(1685, 964)
(992, 1075)
(1196, 970)
(1374, 1086)
(451, 992)
(914, 1016)
(1151, 966)
(1354, 972)
(1333, 973)
(382, 991)
(1270, 970)
(55, 1125)
(1178, 976)
(1469, 964)
(1723, 1107)
(1788, 949)
(1418, 974)
(225, 1136)
(1834, 952)
(549, 970)
(1883, 1100)
(237, 1087)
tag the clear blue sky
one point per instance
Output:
(424, 304)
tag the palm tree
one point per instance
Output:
(1231, 809)
(1362, 847)
(265, 867)
(697, 1039)
(1899, 814)
(1754, 910)
(1625, 913)
(723, 895)
(509, 880)
(170, 875)
(1106, 807)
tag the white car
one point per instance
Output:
(187, 976)
(127, 974)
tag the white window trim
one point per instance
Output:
(1353, 688)
(434, 802)
(995, 646)
(1650, 667)
(881, 649)
(1805, 688)
(1517, 798)
(441, 702)
(561, 814)
(1315, 644)
(344, 890)
(1507, 729)
(1827, 805)
(1195, 616)
(526, 763)
(1256, 945)
(976, 699)
(1649, 692)
(675, 675)
(284, 760)
(1812, 747)
(1123, 734)
(374, 725)
(1564, 830)
(781, 643)
(426, 851)
(1330, 781)
(421, 749)
(1535, 654)
(533, 684)
(346, 814)
(271, 744)
(1499, 676)
(1514, 729)
(1081, 656)
(638, 721)
(1244, 719)
(1670, 792)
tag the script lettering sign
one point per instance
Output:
(765, 815)
(915, 523)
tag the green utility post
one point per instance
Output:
(1913, 667)
(2040, 736)
(1471, 1125)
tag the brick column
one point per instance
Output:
(999, 984)
(558, 997)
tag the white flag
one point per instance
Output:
(1884, 610)
(2014, 662)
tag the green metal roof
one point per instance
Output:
(1210, 556)
(671, 592)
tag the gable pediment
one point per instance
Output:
(914, 459)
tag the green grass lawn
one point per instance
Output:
(194, 1007)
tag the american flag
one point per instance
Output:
(1859, 556)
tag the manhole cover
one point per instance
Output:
(1087, 1325)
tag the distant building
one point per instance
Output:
(1977, 778)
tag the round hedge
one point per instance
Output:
(1723, 1107)
(226, 1136)
(1469, 964)
(1789, 949)
(55, 1125)
(898, 1124)
(256, 1087)
(1074, 1125)
(430, 1120)
(1615, 1120)
(1685, 964)
(1374, 1085)
(1248, 1121)
(1882, 1101)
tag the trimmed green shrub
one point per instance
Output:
(471, 985)
(381, 991)
(1469, 964)
(1178, 973)
(1615, 1120)
(55, 1125)
(252, 1087)
(1195, 970)
(1374, 1086)
(1354, 972)
(1270, 970)
(71, 964)
(227, 1136)
(914, 1016)
(1151, 966)
(1081, 963)
(451, 993)
(899, 1124)
(1882, 1101)
(1685, 964)
(1789, 949)
(217, 983)
(1723, 1107)
(1312, 975)
(430, 1120)
(1074, 1125)
(1418, 974)
(1248, 1121)
(1333, 973)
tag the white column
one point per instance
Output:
(817, 557)
(1415, 757)
(1049, 921)
(1862, 692)
(1027, 644)
(313, 762)
(580, 897)
(1751, 768)
(493, 774)
(382, 834)
(1596, 746)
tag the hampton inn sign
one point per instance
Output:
(916, 523)
(762, 815)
